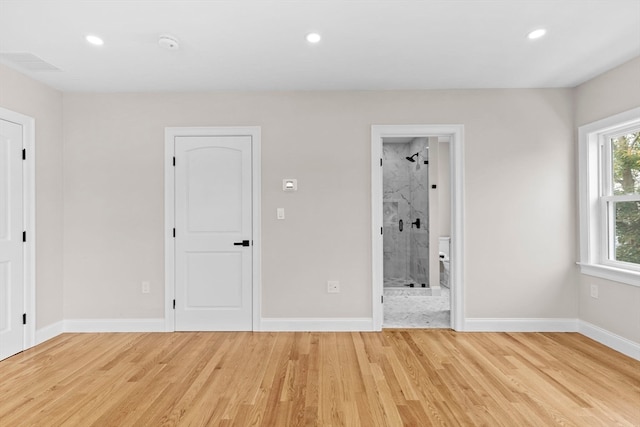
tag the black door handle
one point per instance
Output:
(243, 243)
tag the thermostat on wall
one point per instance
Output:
(289, 184)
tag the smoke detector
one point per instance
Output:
(168, 42)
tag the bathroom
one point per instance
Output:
(409, 187)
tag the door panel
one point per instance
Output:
(213, 175)
(5, 193)
(11, 245)
(213, 211)
(206, 273)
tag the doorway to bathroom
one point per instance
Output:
(417, 223)
(413, 191)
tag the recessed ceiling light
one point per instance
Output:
(94, 40)
(536, 34)
(313, 37)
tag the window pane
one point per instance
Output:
(627, 232)
(626, 163)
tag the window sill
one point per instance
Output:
(628, 277)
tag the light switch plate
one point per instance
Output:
(280, 214)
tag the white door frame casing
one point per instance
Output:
(169, 213)
(456, 135)
(29, 219)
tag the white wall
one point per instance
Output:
(26, 96)
(520, 196)
(618, 307)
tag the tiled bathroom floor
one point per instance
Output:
(416, 308)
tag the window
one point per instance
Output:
(610, 198)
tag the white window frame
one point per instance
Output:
(595, 198)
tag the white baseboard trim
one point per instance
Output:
(114, 325)
(308, 324)
(611, 340)
(520, 325)
(356, 324)
(50, 331)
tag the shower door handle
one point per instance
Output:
(400, 225)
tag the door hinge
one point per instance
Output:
(174, 232)
(24, 236)
(174, 304)
(381, 299)
(380, 230)
(24, 318)
(380, 162)
(174, 160)
(24, 154)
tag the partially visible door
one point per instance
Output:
(11, 244)
(213, 256)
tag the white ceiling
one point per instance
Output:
(260, 44)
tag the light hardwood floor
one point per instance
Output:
(393, 378)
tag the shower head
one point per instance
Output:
(411, 159)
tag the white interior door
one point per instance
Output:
(213, 256)
(11, 244)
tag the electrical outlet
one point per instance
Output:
(333, 287)
(594, 291)
(146, 287)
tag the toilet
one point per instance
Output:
(444, 246)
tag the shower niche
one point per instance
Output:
(406, 212)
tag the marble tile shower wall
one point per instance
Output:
(405, 198)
